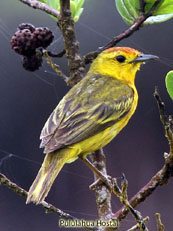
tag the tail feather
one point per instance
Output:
(49, 170)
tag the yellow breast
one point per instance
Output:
(104, 137)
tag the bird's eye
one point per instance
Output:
(120, 58)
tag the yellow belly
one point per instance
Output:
(103, 138)
(99, 140)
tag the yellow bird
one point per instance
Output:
(90, 115)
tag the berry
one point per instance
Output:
(26, 26)
(28, 38)
(44, 36)
(23, 42)
(32, 63)
(26, 41)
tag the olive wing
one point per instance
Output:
(75, 120)
(85, 122)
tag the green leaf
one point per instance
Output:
(149, 1)
(169, 83)
(79, 4)
(124, 12)
(78, 14)
(165, 7)
(75, 5)
(73, 8)
(76, 8)
(130, 10)
(44, 1)
(54, 4)
(158, 19)
(133, 7)
(162, 13)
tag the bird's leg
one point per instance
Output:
(96, 183)
(103, 178)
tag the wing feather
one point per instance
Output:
(72, 122)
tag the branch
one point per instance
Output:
(161, 107)
(66, 25)
(160, 226)
(103, 194)
(54, 66)
(168, 125)
(20, 191)
(162, 177)
(92, 55)
(136, 227)
(42, 6)
(49, 208)
(122, 195)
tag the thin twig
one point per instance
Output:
(136, 227)
(54, 66)
(49, 208)
(92, 55)
(20, 191)
(161, 106)
(42, 6)
(122, 195)
(167, 123)
(160, 226)
(131, 29)
(160, 178)
(103, 177)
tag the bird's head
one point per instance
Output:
(120, 62)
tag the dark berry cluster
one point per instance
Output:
(33, 62)
(25, 42)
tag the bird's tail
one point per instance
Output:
(49, 170)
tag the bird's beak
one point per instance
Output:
(144, 58)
